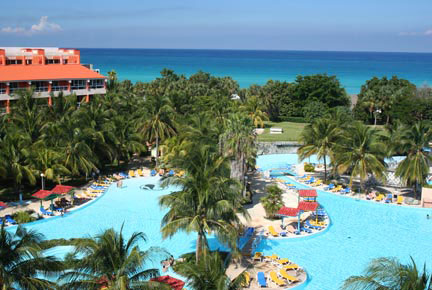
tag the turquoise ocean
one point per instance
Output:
(258, 66)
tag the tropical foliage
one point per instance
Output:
(272, 202)
(109, 260)
(390, 274)
(209, 273)
(22, 261)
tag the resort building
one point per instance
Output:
(48, 71)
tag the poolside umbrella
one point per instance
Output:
(62, 189)
(3, 205)
(45, 195)
(308, 193)
(174, 283)
(308, 206)
(289, 211)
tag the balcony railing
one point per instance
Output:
(59, 88)
(78, 87)
(41, 89)
(97, 86)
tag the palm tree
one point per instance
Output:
(238, 143)
(111, 261)
(14, 158)
(208, 201)
(389, 273)
(412, 141)
(319, 138)
(22, 262)
(254, 109)
(158, 125)
(48, 162)
(361, 152)
(209, 273)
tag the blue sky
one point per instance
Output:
(366, 25)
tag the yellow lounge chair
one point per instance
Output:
(247, 280)
(283, 261)
(380, 197)
(337, 188)
(273, 257)
(131, 173)
(258, 256)
(140, 173)
(291, 267)
(288, 277)
(317, 183)
(274, 277)
(273, 232)
(400, 199)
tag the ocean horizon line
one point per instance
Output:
(252, 50)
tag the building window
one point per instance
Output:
(40, 86)
(96, 84)
(52, 61)
(65, 61)
(13, 61)
(78, 85)
(2, 89)
(13, 87)
(56, 87)
(29, 61)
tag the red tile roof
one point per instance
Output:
(307, 206)
(288, 211)
(307, 193)
(46, 72)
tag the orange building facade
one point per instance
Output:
(48, 71)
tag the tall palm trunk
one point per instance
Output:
(325, 169)
(157, 150)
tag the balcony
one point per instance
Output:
(41, 89)
(59, 88)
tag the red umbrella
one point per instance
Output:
(175, 284)
(42, 194)
(62, 189)
(307, 193)
(2, 204)
(308, 206)
(288, 211)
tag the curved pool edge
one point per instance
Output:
(68, 214)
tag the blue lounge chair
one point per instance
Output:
(54, 208)
(389, 198)
(312, 180)
(45, 212)
(308, 224)
(300, 177)
(124, 175)
(171, 173)
(153, 172)
(330, 186)
(345, 190)
(262, 282)
(306, 230)
(10, 220)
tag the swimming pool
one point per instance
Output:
(135, 205)
(359, 232)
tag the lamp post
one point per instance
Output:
(43, 183)
(375, 113)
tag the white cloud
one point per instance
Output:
(424, 33)
(43, 26)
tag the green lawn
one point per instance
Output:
(291, 132)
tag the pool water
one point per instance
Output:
(359, 231)
(135, 207)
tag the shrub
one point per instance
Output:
(23, 217)
(308, 167)
(272, 202)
